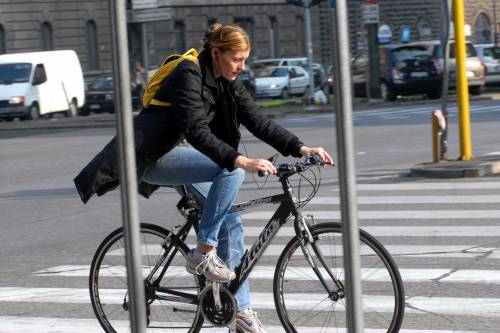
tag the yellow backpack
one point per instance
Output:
(161, 74)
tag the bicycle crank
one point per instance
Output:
(218, 305)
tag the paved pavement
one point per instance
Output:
(444, 235)
(448, 256)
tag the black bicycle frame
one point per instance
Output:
(287, 208)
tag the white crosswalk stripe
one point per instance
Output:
(263, 301)
(428, 215)
(400, 112)
(72, 325)
(267, 273)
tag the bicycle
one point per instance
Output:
(308, 285)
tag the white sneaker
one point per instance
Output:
(209, 265)
(247, 322)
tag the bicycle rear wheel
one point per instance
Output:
(167, 312)
(304, 305)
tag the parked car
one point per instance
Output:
(281, 81)
(35, 84)
(247, 76)
(404, 70)
(474, 67)
(100, 96)
(490, 56)
(318, 71)
(258, 65)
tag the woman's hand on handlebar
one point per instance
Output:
(254, 165)
(318, 151)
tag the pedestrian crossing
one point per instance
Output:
(444, 237)
(400, 112)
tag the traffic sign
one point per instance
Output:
(405, 34)
(384, 34)
(370, 13)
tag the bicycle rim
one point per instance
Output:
(302, 302)
(108, 285)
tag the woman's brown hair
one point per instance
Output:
(226, 37)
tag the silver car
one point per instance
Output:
(281, 81)
(474, 67)
(490, 55)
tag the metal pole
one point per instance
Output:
(462, 85)
(374, 62)
(307, 18)
(445, 46)
(128, 179)
(145, 46)
(347, 176)
(495, 29)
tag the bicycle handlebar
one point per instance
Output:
(297, 167)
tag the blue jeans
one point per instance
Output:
(215, 189)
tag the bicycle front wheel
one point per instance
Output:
(168, 290)
(303, 302)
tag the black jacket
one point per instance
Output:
(208, 118)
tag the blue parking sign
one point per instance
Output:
(405, 34)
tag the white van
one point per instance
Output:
(39, 83)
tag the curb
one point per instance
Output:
(482, 167)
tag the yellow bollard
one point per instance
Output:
(462, 84)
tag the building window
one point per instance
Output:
(247, 25)
(92, 54)
(424, 30)
(47, 40)
(179, 37)
(274, 40)
(3, 48)
(482, 29)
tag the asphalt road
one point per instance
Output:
(444, 234)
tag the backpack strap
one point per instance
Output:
(162, 73)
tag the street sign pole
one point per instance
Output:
(371, 20)
(347, 175)
(307, 19)
(128, 178)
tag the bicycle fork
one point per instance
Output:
(306, 238)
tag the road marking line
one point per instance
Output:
(411, 199)
(372, 303)
(391, 215)
(404, 231)
(434, 251)
(14, 324)
(476, 276)
(429, 186)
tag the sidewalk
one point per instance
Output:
(479, 167)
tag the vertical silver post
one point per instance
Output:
(128, 178)
(445, 46)
(347, 176)
(307, 18)
(495, 28)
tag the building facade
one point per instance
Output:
(158, 28)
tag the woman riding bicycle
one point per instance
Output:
(207, 107)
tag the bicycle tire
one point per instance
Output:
(302, 302)
(108, 284)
